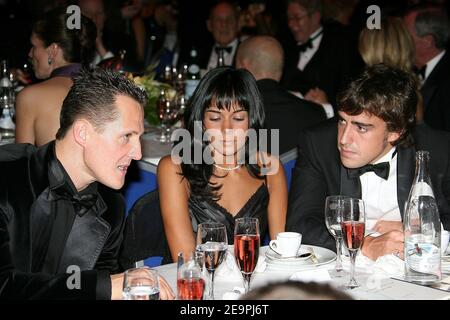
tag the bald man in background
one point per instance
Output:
(263, 57)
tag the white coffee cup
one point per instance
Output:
(287, 244)
(445, 237)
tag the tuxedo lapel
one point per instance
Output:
(86, 240)
(405, 175)
(349, 186)
(428, 89)
(434, 79)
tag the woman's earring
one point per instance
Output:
(50, 61)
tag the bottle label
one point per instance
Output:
(423, 257)
(421, 189)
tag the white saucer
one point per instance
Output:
(272, 255)
(323, 255)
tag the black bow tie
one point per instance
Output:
(421, 71)
(380, 169)
(304, 46)
(308, 44)
(81, 203)
(227, 49)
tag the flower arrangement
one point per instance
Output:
(153, 88)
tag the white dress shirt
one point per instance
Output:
(379, 195)
(228, 57)
(307, 55)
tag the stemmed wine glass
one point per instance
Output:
(353, 224)
(212, 240)
(246, 247)
(333, 207)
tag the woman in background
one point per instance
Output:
(391, 45)
(57, 54)
(227, 101)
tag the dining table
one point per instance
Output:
(228, 283)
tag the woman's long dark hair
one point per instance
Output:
(225, 87)
(78, 45)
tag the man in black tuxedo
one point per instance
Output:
(376, 126)
(60, 211)
(430, 29)
(263, 57)
(223, 24)
(320, 57)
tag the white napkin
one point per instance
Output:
(388, 265)
(316, 275)
(230, 270)
(234, 295)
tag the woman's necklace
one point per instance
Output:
(227, 168)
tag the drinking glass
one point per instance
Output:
(168, 114)
(190, 282)
(212, 241)
(140, 284)
(333, 208)
(353, 223)
(246, 247)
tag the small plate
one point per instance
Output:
(323, 256)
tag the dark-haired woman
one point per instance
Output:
(237, 180)
(57, 54)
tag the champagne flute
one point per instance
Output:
(333, 207)
(246, 247)
(212, 241)
(353, 224)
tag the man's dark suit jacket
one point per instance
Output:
(288, 113)
(24, 171)
(335, 61)
(436, 95)
(319, 173)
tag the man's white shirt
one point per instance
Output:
(228, 57)
(379, 195)
(307, 55)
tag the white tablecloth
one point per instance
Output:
(373, 285)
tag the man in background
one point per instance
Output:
(430, 29)
(263, 57)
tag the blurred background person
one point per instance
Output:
(57, 54)
(339, 11)
(94, 10)
(318, 56)
(256, 19)
(430, 30)
(263, 57)
(393, 46)
(223, 26)
(157, 31)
